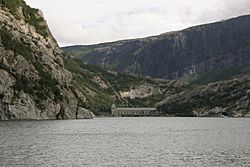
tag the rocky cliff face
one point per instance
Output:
(34, 83)
(173, 55)
(39, 81)
(142, 91)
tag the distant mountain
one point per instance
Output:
(217, 46)
(39, 81)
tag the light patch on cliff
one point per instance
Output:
(142, 91)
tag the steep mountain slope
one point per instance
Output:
(102, 88)
(39, 81)
(195, 50)
(34, 83)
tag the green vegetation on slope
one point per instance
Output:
(12, 5)
(15, 45)
(99, 100)
(218, 75)
(30, 14)
(231, 95)
(39, 89)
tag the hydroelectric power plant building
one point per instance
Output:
(133, 112)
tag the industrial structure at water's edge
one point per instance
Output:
(134, 112)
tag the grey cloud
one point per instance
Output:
(88, 22)
(230, 9)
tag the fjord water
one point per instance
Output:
(126, 142)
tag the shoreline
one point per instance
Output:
(97, 117)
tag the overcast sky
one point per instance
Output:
(95, 21)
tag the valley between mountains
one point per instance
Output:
(200, 71)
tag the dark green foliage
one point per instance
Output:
(46, 80)
(41, 89)
(121, 82)
(20, 48)
(15, 45)
(57, 93)
(35, 20)
(82, 75)
(47, 84)
(1, 96)
(102, 101)
(184, 110)
(12, 5)
(227, 94)
(145, 102)
(30, 14)
(22, 83)
(217, 75)
(99, 103)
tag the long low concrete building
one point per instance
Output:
(133, 112)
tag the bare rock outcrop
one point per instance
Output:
(34, 80)
(83, 113)
(142, 91)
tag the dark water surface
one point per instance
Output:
(126, 142)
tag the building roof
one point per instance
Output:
(113, 106)
(136, 109)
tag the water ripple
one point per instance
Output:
(126, 142)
